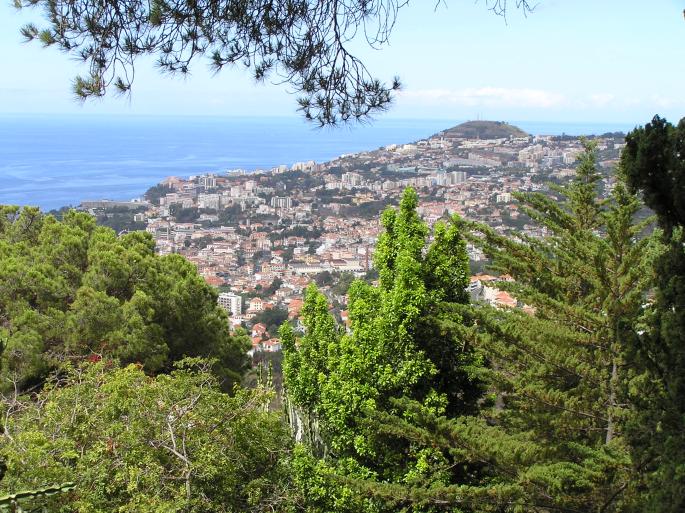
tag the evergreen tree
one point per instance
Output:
(654, 159)
(74, 289)
(558, 370)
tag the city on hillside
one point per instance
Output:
(261, 237)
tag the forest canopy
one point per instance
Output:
(74, 290)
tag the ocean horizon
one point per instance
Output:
(52, 161)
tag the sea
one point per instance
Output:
(51, 161)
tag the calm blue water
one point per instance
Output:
(52, 161)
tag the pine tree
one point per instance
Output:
(559, 371)
(71, 289)
(654, 159)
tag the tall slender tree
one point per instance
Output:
(559, 369)
(654, 159)
(402, 344)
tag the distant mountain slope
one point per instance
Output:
(484, 130)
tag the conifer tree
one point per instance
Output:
(71, 289)
(654, 159)
(559, 371)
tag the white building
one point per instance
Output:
(570, 156)
(209, 201)
(232, 303)
(207, 181)
(281, 202)
(310, 165)
(352, 179)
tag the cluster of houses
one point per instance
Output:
(267, 234)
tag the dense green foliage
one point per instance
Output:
(184, 215)
(338, 281)
(137, 444)
(550, 433)
(120, 219)
(275, 285)
(156, 192)
(368, 209)
(654, 160)
(559, 370)
(402, 344)
(571, 401)
(272, 318)
(74, 289)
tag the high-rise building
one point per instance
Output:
(209, 201)
(207, 181)
(232, 303)
(281, 202)
(352, 179)
(457, 177)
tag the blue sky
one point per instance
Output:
(568, 61)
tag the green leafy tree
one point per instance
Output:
(156, 192)
(184, 215)
(74, 289)
(343, 282)
(654, 160)
(230, 215)
(272, 318)
(403, 344)
(323, 279)
(275, 285)
(133, 443)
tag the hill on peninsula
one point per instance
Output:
(484, 130)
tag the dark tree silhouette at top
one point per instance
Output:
(303, 43)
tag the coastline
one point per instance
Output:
(54, 161)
